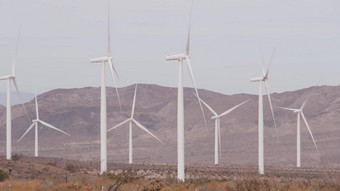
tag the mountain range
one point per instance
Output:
(76, 111)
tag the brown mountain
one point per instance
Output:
(76, 111)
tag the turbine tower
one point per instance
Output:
(299, 113)
(10, 78)
(35, 123)
(103, 114)
(218, 126)
(180, 104)
(263, 79)
(132, 120)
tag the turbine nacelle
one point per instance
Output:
(259, 79)
(8, 77)
(177, 57)
(297, 111)
(100, 59)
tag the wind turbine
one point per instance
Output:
(264, 79)
(103, 114)
(218, 126)
(132, 120)
(299, 113)
(35, 123)
(180, 104)
(8, 78)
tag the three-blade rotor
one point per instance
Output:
(264, 79)
(186, 56)
(216, 117)
(12, 75)
(108, 58)
(37, 121)
(300, 112)
(131, 119)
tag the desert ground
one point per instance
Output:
(49, 173)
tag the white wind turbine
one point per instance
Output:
(180, 104)
(264, 79)
(35, 125)
(103, 114)
(299, 113)
(218, 126)
(130, 120)
(8, 78)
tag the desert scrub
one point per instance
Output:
(20, 185)
(71, 168)
(16, 157)
(3, 175)
(52, 163)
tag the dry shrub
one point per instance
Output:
(16, 157)
(72, 187)
(72, 168)
(178, 187)
(3, 175)
(21, 185)
(154, 185)
(213, 186)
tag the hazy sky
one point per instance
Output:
(228, 36)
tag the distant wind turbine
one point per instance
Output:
(8, 78)
(35, 125)
(299, 113)
(264, 79)
(130, 120)
(103, 114)
(180, 103)
(218, 126)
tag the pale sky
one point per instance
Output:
(59, 36)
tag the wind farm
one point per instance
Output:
(209, 131)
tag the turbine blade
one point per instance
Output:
(108, 30)
(52, 127)
(193, 81)
(271, 108)
(16, 52)
(29, 128)
(134, 103)
(310, 131)
(263, 63)
(232, 109)
(271, 61)
(304, 103)
(211, 110)
(119, 124)
(263, 72)
(112, 69)
(20, 98)
(187, 49)
(115, 83)
(286, 108)
(146, 130)
(36, 105)
(4, 77)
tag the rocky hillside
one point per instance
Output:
(76, 111)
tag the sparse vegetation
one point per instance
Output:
(52, 163)
(3, 175)
(71, 168)
(125, 182)
(37, 174)
(16, 157)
